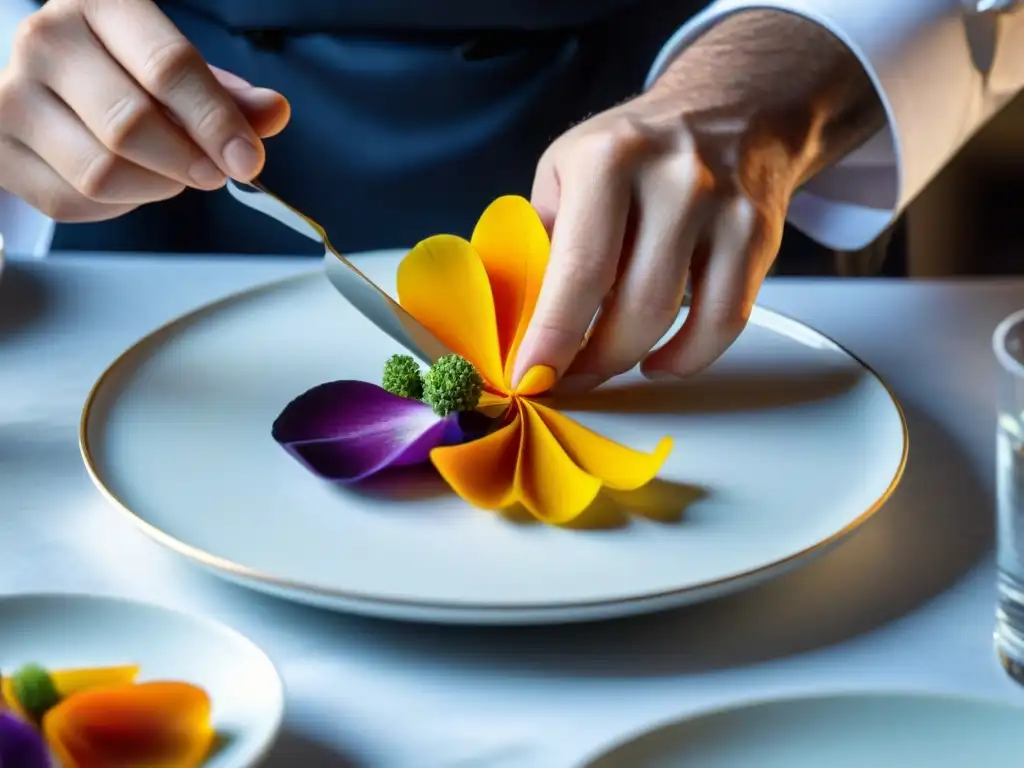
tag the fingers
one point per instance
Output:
(159, 58)
(56, 135)
(673, 199)
(118, 112)
(267, 111)
(546, 192)
(593, 205)
(42, 188)
(743, 245)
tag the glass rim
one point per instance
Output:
(1009, 363)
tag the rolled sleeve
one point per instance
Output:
(941, 75)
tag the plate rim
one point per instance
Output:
(237, 571)
(273, 734)
(810, 695)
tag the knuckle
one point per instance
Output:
(63, 208)
(728, 319)
(37, 35)
(63, 204)
(96, 175)
(622, 142)
(213, 119)
(168, 65)
(123, 121)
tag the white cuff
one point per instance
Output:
(918, 55)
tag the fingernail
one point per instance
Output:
(242, 158)
(205, 174)
(659, 376)
(577, 383)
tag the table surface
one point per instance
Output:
(906, 603)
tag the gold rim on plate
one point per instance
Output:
(231, 568)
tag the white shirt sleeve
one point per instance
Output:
(26, 231)
(941, 74)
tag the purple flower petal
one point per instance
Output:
(21, 745)
(345, 431)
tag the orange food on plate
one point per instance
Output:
(145, 725)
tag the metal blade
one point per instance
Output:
(361, 292)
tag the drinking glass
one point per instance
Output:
(1008, 344)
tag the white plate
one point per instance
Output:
(844, 731)
(65, 631)
(791, 441)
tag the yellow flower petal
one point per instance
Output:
(536, 381)
(10, 700)
(548, 481)
(443, 284)
(514, 248)
(616, 465)
(72, 681)
(483, 471)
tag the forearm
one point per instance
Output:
(761, 68)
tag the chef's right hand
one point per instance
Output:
(105, 106)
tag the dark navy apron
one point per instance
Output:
(408, 116)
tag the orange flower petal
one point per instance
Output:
(514, 247)
(548, 481)
(71, 681)
(483, 471)
(536, 381)
(616, 465)
(155, 725)
(443, 284)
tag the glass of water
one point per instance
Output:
(1008, 344)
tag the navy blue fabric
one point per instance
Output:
(398, 132)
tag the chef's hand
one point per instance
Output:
(691, 179)
(105, 106)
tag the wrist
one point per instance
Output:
(773, 93)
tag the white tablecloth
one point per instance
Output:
(906, 603)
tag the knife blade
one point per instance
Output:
(359, 290)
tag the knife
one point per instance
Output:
(360, 291)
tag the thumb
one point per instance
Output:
(266, 110)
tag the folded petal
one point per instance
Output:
(514, 247)
(483, 472)
(537, 381)
(443, 284)
(548, 481)
(617, 466)
(345, 431)
(156, 725)
(493, 405)
(21, 745)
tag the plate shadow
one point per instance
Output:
(24, 298)
(722, 391)
(293, 750)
